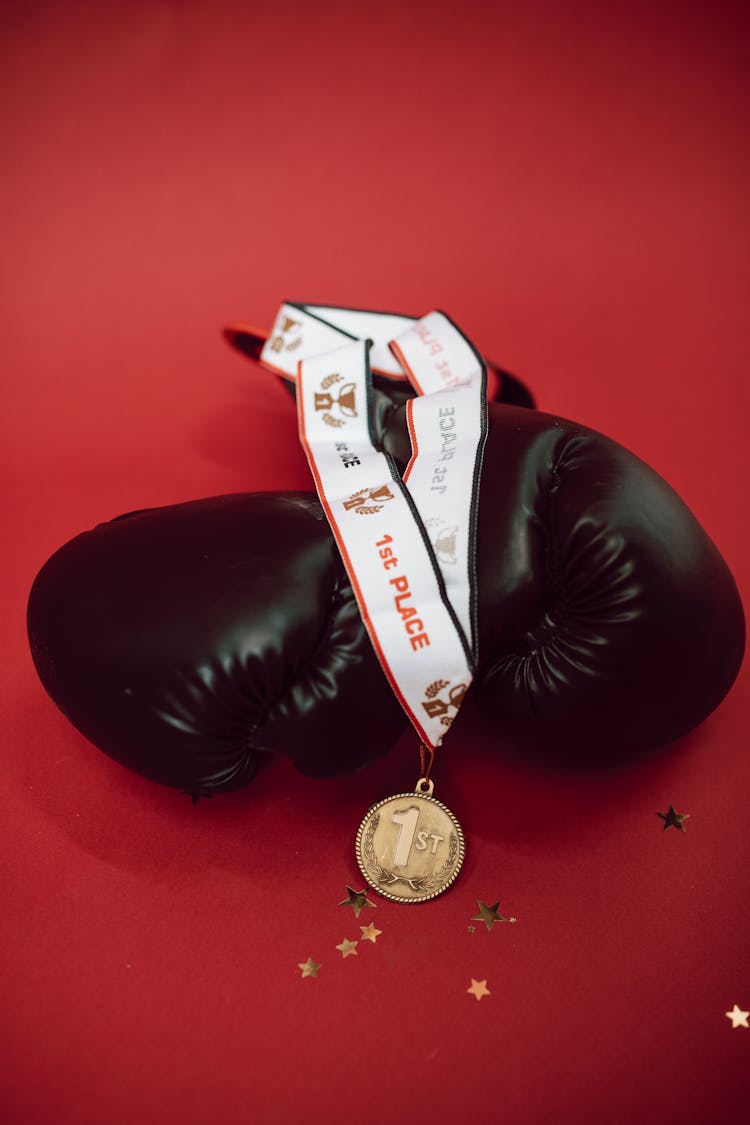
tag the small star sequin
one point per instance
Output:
(348, 948)
(489, 915)
(673, 819)
(370, 933)
(478, 988)
(738, 1017)
(358, 900)
(309, 968)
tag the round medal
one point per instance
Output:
(410, 847)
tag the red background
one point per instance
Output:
(570, 182)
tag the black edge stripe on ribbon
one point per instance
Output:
(473, 566)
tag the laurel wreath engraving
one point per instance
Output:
(419, 883)
(435, 688)
(331, 421)
(330, 380)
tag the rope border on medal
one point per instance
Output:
(363, 847)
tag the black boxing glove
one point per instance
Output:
(185, 640)
(182, 640)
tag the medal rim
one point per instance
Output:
(461, 847)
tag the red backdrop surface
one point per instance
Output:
(569, 181)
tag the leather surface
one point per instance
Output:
(181, 640)
(613, 624)
(184, 640)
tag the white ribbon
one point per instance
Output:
(302, 330)
(409, 546)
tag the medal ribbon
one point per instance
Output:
(302, 330)
(408, 545)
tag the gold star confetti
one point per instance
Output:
(348, 948)
(370, 933)
(673, 819)
(357, 900)
(478, 988)
(489, 915)
(738, 1017)
(471, 929)
(309, 968)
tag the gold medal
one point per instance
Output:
(410, 847)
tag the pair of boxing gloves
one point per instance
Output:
(186, 641)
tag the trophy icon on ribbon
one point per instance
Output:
(345, 401)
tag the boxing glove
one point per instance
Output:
(184, 641)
